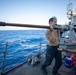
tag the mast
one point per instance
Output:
(70, 11)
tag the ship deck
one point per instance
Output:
(24, 70)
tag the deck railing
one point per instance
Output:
(5, 54)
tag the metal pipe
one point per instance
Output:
(27, 25)
(59, 27)
(23, 25)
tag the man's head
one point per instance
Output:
(53, 21)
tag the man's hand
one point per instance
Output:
(61, 49)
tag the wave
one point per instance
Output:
(21, 45)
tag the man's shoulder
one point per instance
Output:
(48, 31)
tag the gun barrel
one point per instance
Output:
(23, 25)
(32, 26)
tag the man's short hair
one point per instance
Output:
(52, 19)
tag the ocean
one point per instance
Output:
(21, 44)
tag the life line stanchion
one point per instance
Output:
(40, 45)
(3, 62)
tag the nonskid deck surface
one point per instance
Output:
(37, 70)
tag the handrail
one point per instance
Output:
(18, 43)
(20, 65)
(12, 42)
(3, 62)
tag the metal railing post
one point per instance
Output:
(3, 62)
(40, 45)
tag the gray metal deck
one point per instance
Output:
(37, 70)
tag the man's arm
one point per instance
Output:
(62, 49)
(47, 34)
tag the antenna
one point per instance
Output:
(69, 1)
(70, 12)
(70, 6)
(75, 10)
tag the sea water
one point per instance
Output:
(20, 45)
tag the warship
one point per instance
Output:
(33, 64)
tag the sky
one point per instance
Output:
(33, 12)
